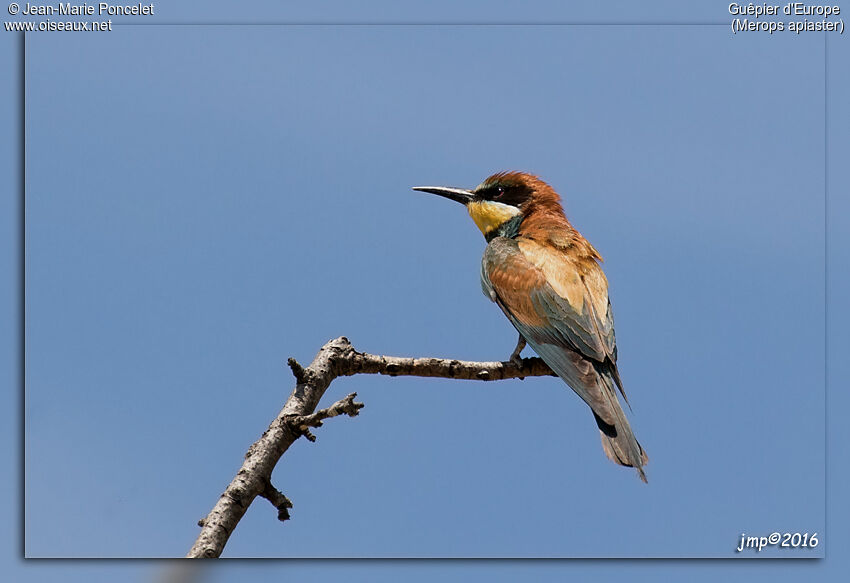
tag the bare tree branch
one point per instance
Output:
(335, 359)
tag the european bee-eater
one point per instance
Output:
(547, 280)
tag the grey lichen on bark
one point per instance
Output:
(335, 359)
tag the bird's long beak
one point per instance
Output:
(456, 194)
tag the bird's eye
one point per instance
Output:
(499, 192)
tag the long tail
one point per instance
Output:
(618, 440)
(596, 384)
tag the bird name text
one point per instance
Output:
(804, 18)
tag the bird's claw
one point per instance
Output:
(516, 360)
(515, 357)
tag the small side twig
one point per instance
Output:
(278, 500)
(297, 370)
(302, 423)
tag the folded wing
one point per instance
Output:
(561, 308)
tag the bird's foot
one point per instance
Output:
(515, 357)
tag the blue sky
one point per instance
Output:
(205, 201)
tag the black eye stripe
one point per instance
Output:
(507, 194)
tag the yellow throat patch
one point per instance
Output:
(489, 215)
